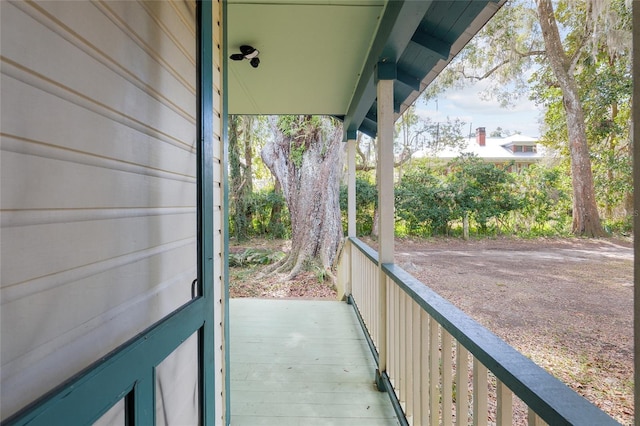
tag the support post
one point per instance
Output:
(351, 206)
(351, 184)
(385, 74)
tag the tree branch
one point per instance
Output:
(503, 63)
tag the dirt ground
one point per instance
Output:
(565, 303)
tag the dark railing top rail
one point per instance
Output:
(551, 399)
(366, 250)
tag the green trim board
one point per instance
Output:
(424, 37)
(386, 70)
(398, 22)
(205, 180)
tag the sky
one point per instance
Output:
(468, 106)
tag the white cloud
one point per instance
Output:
(467, 105)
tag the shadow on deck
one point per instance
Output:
(302, 362)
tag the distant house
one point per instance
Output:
(518, 150)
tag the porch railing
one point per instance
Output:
(445, 368)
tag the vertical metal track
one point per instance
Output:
(205, 209)
(225, 219)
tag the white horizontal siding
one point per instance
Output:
(93, 142)
(98, 185)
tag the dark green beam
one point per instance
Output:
(407, 79)
(399, 22)
(369, 127)
(433, 44)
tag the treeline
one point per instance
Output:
(468, 192)
(441, 200)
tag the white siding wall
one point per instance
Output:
(98, 187)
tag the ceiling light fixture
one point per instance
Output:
(249, 53)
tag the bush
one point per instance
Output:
(270, 215)
(545, 204)
(482, 190)
(434, 202)
(424, 203)
(366, 203)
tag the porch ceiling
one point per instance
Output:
(319, 56)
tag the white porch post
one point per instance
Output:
(351, 184)
(385, 74)
(351, 206)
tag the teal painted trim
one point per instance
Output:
(386, 71)
(436, 46)
(367, 336)
(351, 135)
(87, 396)
(408, 80)
(144, 395)
(384, 381)
(205, 179)
(397, 25)
(225, 212)
(364, 95)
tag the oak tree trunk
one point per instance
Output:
(307, 160)
(249, 122)
(237, 179)
(586, 220)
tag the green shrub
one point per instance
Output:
(366, 203)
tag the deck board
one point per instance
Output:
(302, 362)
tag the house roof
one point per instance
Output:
(319, 56)
(495, 149)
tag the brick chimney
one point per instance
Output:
(481, 136)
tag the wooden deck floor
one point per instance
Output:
(301, 362)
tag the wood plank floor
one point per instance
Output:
(302, 362)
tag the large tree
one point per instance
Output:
(240, 178)
(605, 85)
(586, 220)
(306, 156)
(525, 35)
